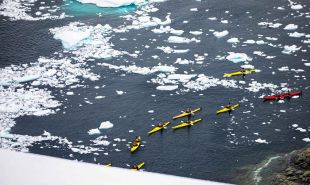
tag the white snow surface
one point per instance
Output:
(21, 168)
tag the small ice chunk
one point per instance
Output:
(70, 93)
(296, 34)
(120, 92)
(150, 111)
(297, 7)
(290, 49)
(233, 40)
(106, 125)
(220, 34)
(167, 87)
(238, 57)
(249, 42)
(99, 97)
(259, 140)
(284, 68)
(195, 32)
(294, 125)
(178, 40)
(306, 139)
(291, 27)
(94, 131)
(183, 62)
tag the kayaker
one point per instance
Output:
(135, 167)
(228, 106)
(189, 110)
(160, 125)
(135, 143)
(243, 72)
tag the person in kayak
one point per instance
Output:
(189, 110)
(135, 167)
(243, 72)
(160, 125)
(228, 106)
(137, 140)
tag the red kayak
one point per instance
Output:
(282, 96)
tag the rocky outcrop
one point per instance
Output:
(297, 171)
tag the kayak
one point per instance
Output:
(227, 109)
(184, 114)
(139, 166)
(282, 96)
(157, 128)
(237, 73)
(185, 124)
(108, 164)
(134, 148)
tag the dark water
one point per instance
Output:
(203, 151)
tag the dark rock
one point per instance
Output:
(297, 170)
(306, 173)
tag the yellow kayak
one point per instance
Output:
(184, 114)
(249, 71)
(139, 166)
(134, 148)
(108, 164)
(185, 124)
(157, 128)
(227, 109)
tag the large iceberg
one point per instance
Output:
(112, 3)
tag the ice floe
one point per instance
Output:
(306, 139)
(101, 140)
(141, 70)
(291, 27)
(168, 49)
(238, 57)
(167, 87)
(167, 29)
(178, 40)
(119, 92)
(220, 34)
(296, 34)
(290, 49)
(94, 131)
(297, 7)
(106, 125)
(196, 32)
(97, 44)
(259, 140)
(233, 40)
(183, 61)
